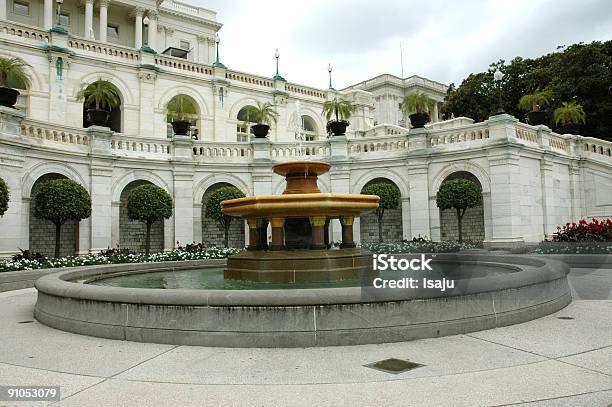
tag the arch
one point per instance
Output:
(200, 189)
(389, 174)
(392, 221)
(213, 234)
(127, 98)
(137, 175)
(238, 105)
(474, 169)
(41, 169)
(132, 234)
(169, 94)
(41, 233)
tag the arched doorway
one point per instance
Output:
(309, 128)
(212, 232)
(243, 128)
(132, 234)
(184, 107)
(473, 229)
(42, 232)
(115, 118)
(391, 223)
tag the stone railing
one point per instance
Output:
(55, 133)
(188, 9)
(181, 64)
(384, 130)
(250, 79)
(559, 142)
(377, 144)
(306, 91)
(140, 147)
(527, 133)
(464, 134)
(597, 147)
(24, 31)
(206, 150)
(290, 150)
(115, 51)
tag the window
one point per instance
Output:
(184, 45)
(112, 31)
(64, 19)
(21, 7)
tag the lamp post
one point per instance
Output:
(58, 24)
(498, 76)
(218, 63)
(329, 70)
(145, 21)
(276, 55)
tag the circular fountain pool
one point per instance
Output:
(189, 303)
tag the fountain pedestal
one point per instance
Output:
(299, 251)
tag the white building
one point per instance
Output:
(531, 178)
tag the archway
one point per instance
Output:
(243, 128)
(184, 107)
(132, 234)
(115, 118)
(309, 127)
(391, 223)
(473, 220)
(42, 232)
(212, 232)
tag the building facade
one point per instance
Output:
(531, 178)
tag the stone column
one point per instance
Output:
(278, 233)
(101, 188)
(152, 34)
(435, 113)
(147, 79)
(103, 19)
(254, 234)
(317, 224)
(548, 215)
(47, 14)
(263, 234)
(347, 232)
(138, 12)
(89, 19)
(419, 199)
(406, 218)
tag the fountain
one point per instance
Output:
(300, 218)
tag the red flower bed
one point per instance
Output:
(583, 231)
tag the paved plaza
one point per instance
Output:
(564, 359)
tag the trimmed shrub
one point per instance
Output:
(4, 197)
(149, 203)
(458, 194)
(390, 198)
(213, 207)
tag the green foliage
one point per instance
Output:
(4, 197)
(339, 108)
(149, 203)
(417, 102)
(13, 73)
(580, 73)
(101, 95)
(569, 112)
(390, 198)
(534, 101)
(181, 106)
(263, 113)
(458, 194)
(213, 207)
(60, 200)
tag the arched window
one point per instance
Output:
(243, 128)
(115, 116)
(183, 108)
(309, 127)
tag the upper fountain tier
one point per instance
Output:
(301, 198)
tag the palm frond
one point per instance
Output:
(13, 72)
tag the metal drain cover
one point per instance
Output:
(565, 318)
(393, 365)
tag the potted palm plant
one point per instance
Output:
(569, 116)
(532, 103)
(341, 109)
(417, 106)
(100, 98)
(264, 114)
(178, 111)
(12, 71)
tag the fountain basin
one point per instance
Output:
(521, 289)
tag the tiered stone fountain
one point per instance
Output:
(300, 217)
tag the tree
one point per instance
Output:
(263, 113)
(459, 194)
(100, 95)
(390, 198)
(534, 101)
(13, 73)
(569, 113)
(417, 102)
(149, 203)
(4, 197)
(213, 207)
(340, 108)
(180, 107)
(61, 200)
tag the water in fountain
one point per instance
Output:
(298, 129)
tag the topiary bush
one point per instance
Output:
(458, 194)
(390, 198)
(149, 203)
(4, 197)
(61, 200)
(213, 207)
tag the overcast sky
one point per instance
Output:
(441, 40)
